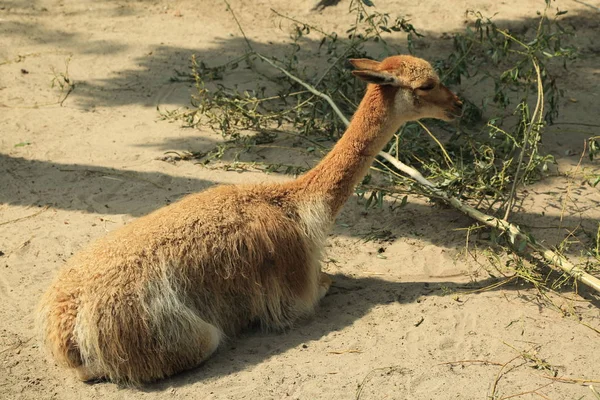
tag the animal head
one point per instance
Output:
(418, 90)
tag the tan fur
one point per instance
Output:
(158, 296)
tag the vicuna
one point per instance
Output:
(158, 296)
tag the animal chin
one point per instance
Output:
(452, 115)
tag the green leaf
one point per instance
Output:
(322, 41)
(22, 144)
(404, 201)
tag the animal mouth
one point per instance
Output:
(456, 112)
(452, 115)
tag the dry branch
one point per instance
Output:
(516, 237)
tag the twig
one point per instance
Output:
(500, 374)
(578, 123)
(314, 28)
(471, 362)
(413, 173)
(447, 158)
(490, 287)
(21, 57)
(16, 345)
(534, 391)
(589, 5)
(345, 351)
(106, 174)
(370, 374)
(535, 119)
(570, 380)
(310, 88)
(27, 217)
(239, 25)
(590, 327)
(69, 90)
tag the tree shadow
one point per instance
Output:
(102, 190)
(149, 81)
(159, 64)
(160, 72)
(550, 222)
(165, 68)
(433, 47)
(23, 7)
(76, 42)
(90, 188)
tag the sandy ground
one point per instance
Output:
(392, 327)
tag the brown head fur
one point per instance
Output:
(401, 88)
(415, 79)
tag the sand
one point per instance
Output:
(396, 324)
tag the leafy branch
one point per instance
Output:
(482, 163)
(517, 238)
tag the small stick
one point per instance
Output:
(16, 345)
(471, 361)
(447, 158)
(310, 88)
(490, 287)
(578, 123)
(27, 217)
(345, 351)
(589, 5)
(502, 373)
(535, 119)
(361, 386)
(115, 173)
(570, 380)
(535, 391)
(238, 24)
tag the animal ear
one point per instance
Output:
(377, 77)
(364, 63)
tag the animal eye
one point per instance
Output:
(426, 87)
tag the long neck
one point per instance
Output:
(372, 126)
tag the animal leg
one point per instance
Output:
(325, 282)
(85, 374)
